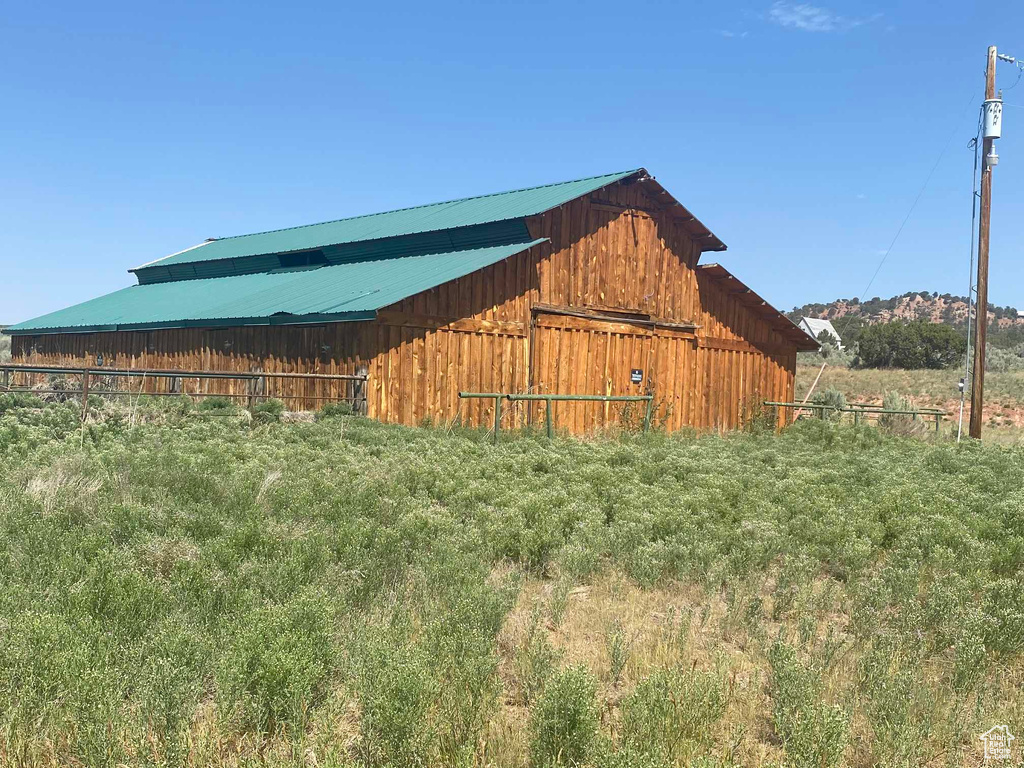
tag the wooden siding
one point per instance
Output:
(612, 253)
(612, 250)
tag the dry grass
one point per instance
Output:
(727, 634)
(672, 627)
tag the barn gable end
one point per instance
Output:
(602, 288)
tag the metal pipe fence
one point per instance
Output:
(863, 411)
(498, 397)
(256, 383)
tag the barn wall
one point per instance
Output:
(293, 349)
(614, 251)
(470, 335)
(610, 252)
(464, 335)
(741, 362)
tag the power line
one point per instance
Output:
(970, 279)
(917, 199)
(910, 212)
(1020, 69)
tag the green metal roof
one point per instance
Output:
(445, 241)
(350, 291)
(425, 218)
(368, 262)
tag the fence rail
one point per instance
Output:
(863, 410)
(256, 383)
(549, 399)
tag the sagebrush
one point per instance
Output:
(201, 591)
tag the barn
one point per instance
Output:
(592, 286)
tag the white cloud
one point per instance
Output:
(811, 18)
(861, 196)
(730, 34)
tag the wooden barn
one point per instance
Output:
(592, 286)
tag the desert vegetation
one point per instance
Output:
(911, 345)
(205, 587)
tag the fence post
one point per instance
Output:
(547, 417)
(251, 387)
(647, 414)
(937, 418)
(85, 394)
(359, 398)
(7, 379)
(497, 417)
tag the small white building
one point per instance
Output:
(813, 326)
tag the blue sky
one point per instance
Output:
(800, 133)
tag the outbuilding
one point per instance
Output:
(592, 286)
(814, 326)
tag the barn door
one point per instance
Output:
(580, 356)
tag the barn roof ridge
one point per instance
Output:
(429, 217)
(616, 175)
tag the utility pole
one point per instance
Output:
(981, 304)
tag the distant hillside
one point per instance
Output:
(921, 305)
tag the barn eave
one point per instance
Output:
(746, 296)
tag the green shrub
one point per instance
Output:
(267, 411)
(911, 345)
(193, 590)
(829, 351)
(275, 670)
(565, 720)
(999, 360)
(181, 405)
(812, 732)
(899, 424)
(826, 342)
(396, 690)
(671, 713)
(619, 648)
(216, 403)
(536, 660)
(834, 399)
(11, 400)
(896, 697)
(758, 418)
(333, 410)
